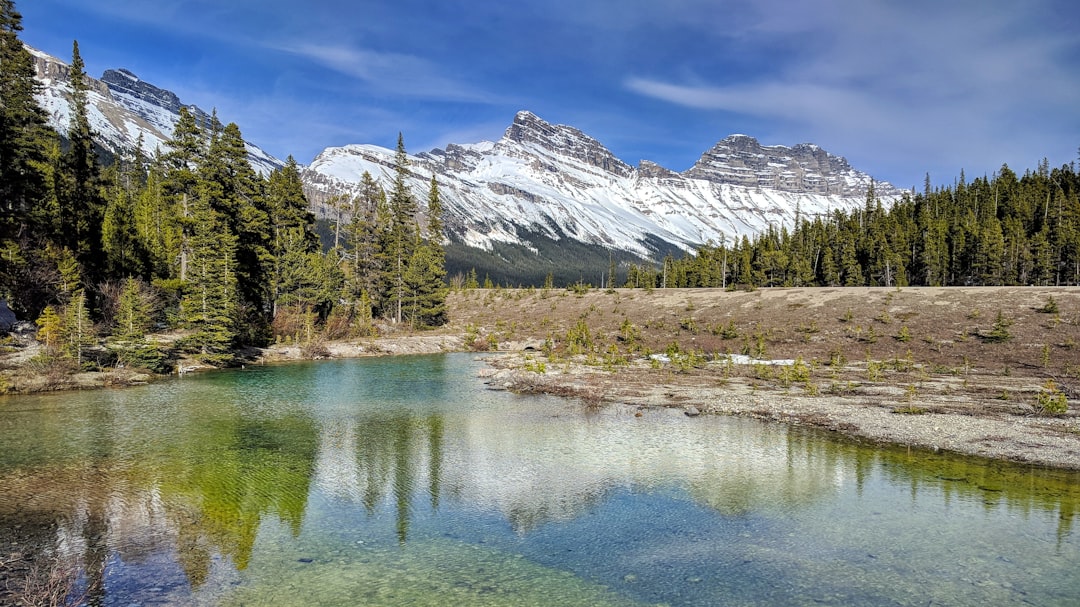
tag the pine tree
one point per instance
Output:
(81, 204)
(133, 315)
(24, 136)
(125, 253)
(79, 334)
(426, 272)
(50, 329)
(211, 300)
(236, 193)
(180, 190)
(398, 239)
(291, 220)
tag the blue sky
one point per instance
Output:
(901, 88)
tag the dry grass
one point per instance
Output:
(908, 345)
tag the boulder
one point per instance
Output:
(7, 317)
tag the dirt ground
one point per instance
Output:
(966, 370)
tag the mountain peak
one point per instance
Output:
(805, 168)
(558, 139)
(125, 82)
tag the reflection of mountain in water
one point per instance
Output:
(543, 469)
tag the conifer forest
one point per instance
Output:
(96, 246)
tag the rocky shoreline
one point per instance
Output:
(937, 424)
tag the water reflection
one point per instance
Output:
(190, 482)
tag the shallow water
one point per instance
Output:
(404, 481)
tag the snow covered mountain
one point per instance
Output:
(553, 182)
(122, 108)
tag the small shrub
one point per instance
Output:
(579, 288)
(837, 359)
(874, 370)
(1050, 307)
(727, 331)
(1000, 331)
(1051, 400)
(799, 372)
(687, 324)
(904, 335)
(535, 366)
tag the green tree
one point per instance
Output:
(134, 311)
(211, 303)
(399, 236)
(24, 136)
(79, 333)
(180, 190)
(426, 273)
(236, 194)
(81, 203)
(125, 253)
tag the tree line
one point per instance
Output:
(999, 230)
(192, 238)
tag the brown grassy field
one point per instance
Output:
(978, 371)
(941, 330)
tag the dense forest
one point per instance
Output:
(192, 238)
(1002, 230)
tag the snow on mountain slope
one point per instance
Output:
(121, 108)
(556, 181)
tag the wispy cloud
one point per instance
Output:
(969, 84)
(394, 74)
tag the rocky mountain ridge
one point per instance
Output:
(554, 181)
(122, 108)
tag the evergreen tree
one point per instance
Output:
(211, 301)
(125, 253)
(180, 190)
(291, 220)
(81, 203)
(426, 272)
(78, 332)
(26, 145)
(134, 312)
(398, 237)
(235, 193)
(24, 136)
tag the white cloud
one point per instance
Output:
(391, 73)
(914, 84)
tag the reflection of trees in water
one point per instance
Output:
(1018, 488)
(395, 454)
(246, 470)
(120, 496)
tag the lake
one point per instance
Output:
(405, 481)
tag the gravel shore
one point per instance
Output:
(1014, 436)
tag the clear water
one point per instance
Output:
(405, 481)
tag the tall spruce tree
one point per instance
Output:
(399, 236)
(24, 136)
(180, 191)
(25, 174)
(426, 272)
(362, 264)
(81, 203)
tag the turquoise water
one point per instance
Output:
(404, 481)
